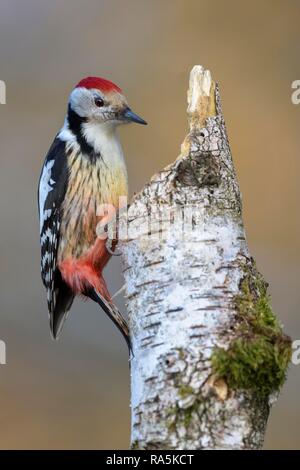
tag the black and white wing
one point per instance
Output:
(52, 188)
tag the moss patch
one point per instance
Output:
(185, 390)
(178, 416)
(259, 356)
(135, 445)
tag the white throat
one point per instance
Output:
(102, 137)
(105, 140)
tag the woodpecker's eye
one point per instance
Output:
(99, 102)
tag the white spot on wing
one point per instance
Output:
(44, 189)
(47, 213)
(48, 234)
(46, 257)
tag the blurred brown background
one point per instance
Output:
(75, 393)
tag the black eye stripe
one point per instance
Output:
(99, 102)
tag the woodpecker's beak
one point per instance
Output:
(132, 117)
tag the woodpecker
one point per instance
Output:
(83, 169)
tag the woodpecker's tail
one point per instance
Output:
(60, 308)
(111, 310)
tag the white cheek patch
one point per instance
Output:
(44, 189)
(81, 101)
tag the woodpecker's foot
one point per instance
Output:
(110, 250)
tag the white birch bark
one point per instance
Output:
(181, 282)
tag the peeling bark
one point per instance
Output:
(184, 264)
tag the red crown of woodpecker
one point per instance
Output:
(98, 83)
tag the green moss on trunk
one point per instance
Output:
(258, 358)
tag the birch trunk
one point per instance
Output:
(205, 341)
